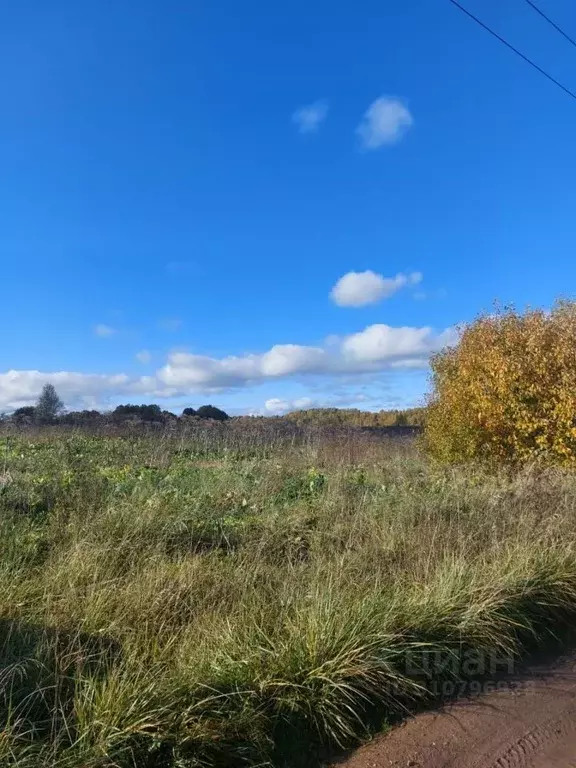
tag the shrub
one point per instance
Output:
(507, 391)
(85, 418)
(134, 412)
(211, 412)
(24, 415)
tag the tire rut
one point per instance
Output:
(530, 723)
(531, 745)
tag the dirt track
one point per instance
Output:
(532, 724)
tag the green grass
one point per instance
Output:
(220, 600)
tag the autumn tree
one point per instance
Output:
(507, 391)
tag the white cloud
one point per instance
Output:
(23, 387)
(77, 390)
(143, 356)
(309, 118)
(356, 289)
(103, 330)
(275, 406)
(197, 371)
(284, 359)
(396, 347)
(377, 348)
(385, 122)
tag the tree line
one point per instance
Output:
(49, 409)
(353, 417)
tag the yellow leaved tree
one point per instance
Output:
(507, 391)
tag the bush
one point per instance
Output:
(211, 412)
(507, 391)
(24, 415)
(134, 412)
(84, 418)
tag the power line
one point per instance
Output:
(549, 20)
(516, 51)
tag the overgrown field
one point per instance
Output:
(169, 601)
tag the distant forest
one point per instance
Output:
(49, 410)
(352, 417)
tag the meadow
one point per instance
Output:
(225, 597)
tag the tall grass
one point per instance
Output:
(170, 601)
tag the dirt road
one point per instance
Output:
(531, 724)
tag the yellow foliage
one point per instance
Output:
(352, 417)
(507, 391)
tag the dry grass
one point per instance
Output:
(210, 599)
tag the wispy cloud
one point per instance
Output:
(385, 122)
(439, 294)
(276, 406)
(104, 331)
(170, 323)
(144, 356)
(357, 289)
(309, 118)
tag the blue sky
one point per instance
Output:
(184, 184)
